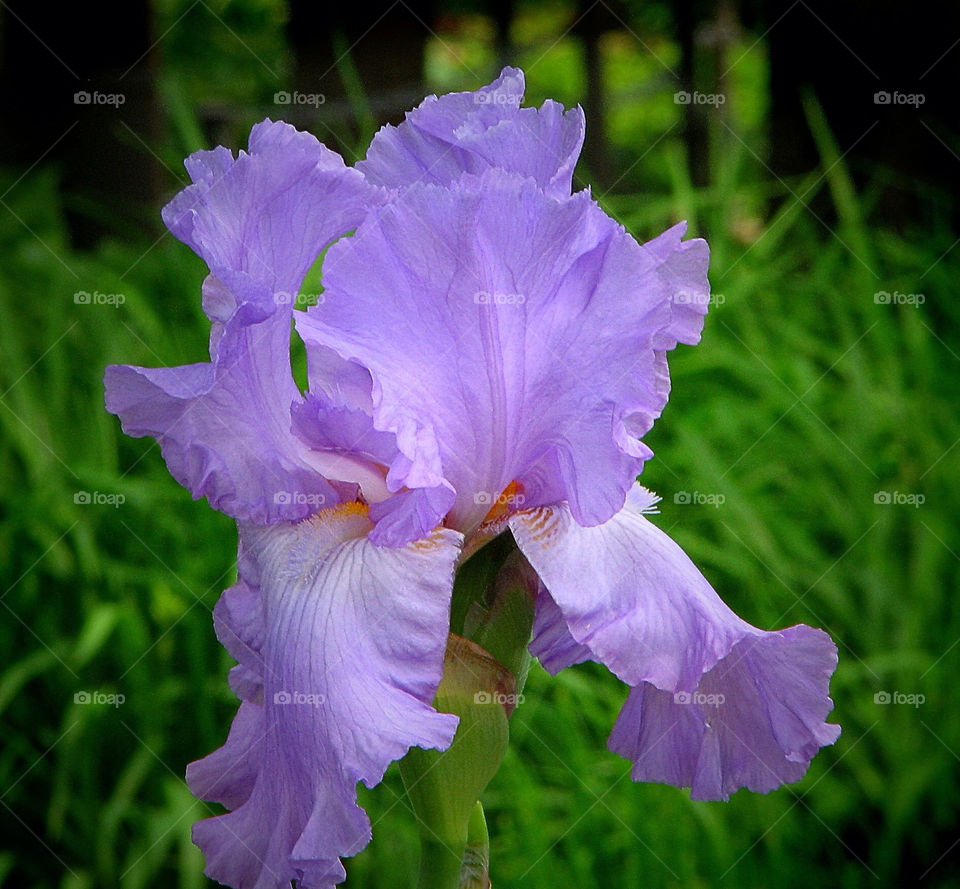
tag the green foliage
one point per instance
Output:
(806, 402)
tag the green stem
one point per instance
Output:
(482, 678)
(460, 863)
(440, 863)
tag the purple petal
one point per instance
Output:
(755, 721)
(336, 421)
(340, 383)
(259, 221)
(509, 336)
(471, 132)
(229, 774)
(410, 514)
(717, 703)
(552, 643)
(326, 426)
(266, 215)
(353, 644)
(224, 428)
(239, 623)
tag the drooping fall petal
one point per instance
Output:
(352, 651)
(717, 704)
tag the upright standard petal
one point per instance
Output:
(258, 221)
(265, 216)
(353, 641)
(510, 337)
(716, 704)
(471, 132)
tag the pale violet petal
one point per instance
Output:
(352, 651)
(716, 703)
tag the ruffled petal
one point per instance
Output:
(471, 132)
(755, 721)
(509, 337)
(266, 215)
(552, 643)
(717, 704)
(353, 644)
(326, 426)
(258, 221)
(240, 625)
(336, 422)
(224, 430)
(229, 774)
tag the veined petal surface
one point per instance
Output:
(352, 651)
(716, 704)
(509, 336)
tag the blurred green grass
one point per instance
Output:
(805, 400)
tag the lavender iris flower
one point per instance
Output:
(484, 338)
